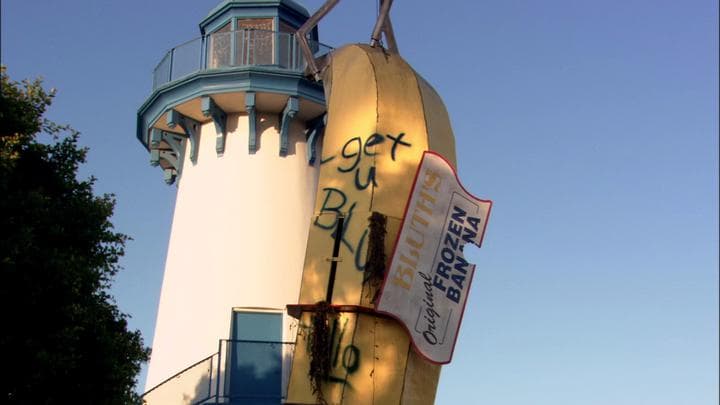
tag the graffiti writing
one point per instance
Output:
(335, 200)
(345, 357)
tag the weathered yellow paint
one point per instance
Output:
(381, 118)
(421, 379)
(438, 122)
(384, 349)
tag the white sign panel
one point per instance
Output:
(428, 280)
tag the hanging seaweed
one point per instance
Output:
(375, 265)
(319, 342)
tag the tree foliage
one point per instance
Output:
(63, 339)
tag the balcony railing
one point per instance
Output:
(242, 48)
(241, 372)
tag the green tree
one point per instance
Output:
(63, 339)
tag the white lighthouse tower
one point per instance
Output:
(232, 120)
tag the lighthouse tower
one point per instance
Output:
(233, 122)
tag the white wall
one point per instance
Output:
(238, 240)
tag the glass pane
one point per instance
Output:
(255, 372)
(287, 56)
(219, 48)
(263, 48)
(161, 75)
(263, 326)
(285, 51)
(186, 59)
(254, 47)
(254, 41)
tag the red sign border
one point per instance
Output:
(397, 238)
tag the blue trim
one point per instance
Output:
(203, 52)
(239, 14)
(245, 49)
(233, 41)
(189, 125)
(172, 157)
(291, 109)
(276, 39)
(216, 81)
(317, 130)
(141, 132)
(172, 57)
(156, 137)
(177, 144)
(217, 25)
(252, 121)
(154, 157)
(219, 117)
(169, 175)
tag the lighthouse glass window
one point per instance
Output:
(288, 56)
(255, 355)
(219, 45)
(254, 41)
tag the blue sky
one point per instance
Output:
(592, 125)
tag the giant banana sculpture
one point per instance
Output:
(381, 117)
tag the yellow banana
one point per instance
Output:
(381, 117)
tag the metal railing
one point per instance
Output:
(241, 372)
(242, 48)
(192, 385)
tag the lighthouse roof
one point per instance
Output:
(288, 10)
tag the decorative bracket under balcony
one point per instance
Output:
(291, 109)
(316, 129)
(189, 125)
(219, 117)
(252, 134)
(174, 155)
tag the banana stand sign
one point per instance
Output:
(356, 343)
(428, 280)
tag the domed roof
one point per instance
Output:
(288, 11)
(258, 3)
